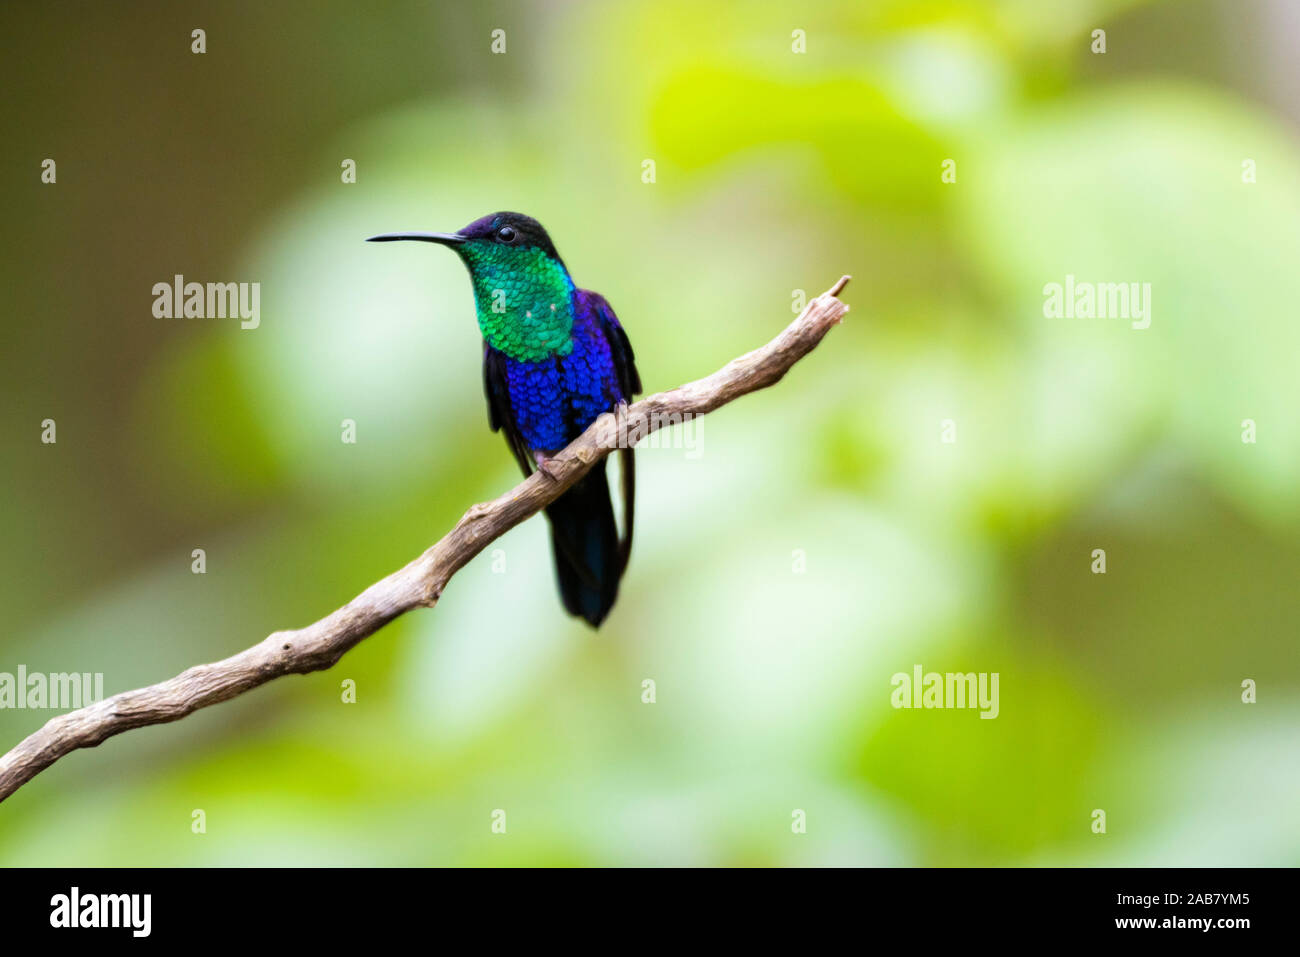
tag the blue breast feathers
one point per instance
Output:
(556, 399)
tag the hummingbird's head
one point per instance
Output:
(497, 243)
(522, 291)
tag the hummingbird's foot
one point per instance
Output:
(544, 466)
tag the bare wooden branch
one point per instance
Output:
(420, 583)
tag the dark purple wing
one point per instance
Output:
(629, 384)
(629, 381)
(501, 416)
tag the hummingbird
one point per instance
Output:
(555, 358)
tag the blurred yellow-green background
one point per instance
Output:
(823, 538)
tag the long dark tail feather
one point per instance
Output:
(589, 559)
(628, 470)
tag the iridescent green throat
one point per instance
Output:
(524, 299)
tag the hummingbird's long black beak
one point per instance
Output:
(446, 239)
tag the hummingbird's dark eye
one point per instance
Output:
(506, 234)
